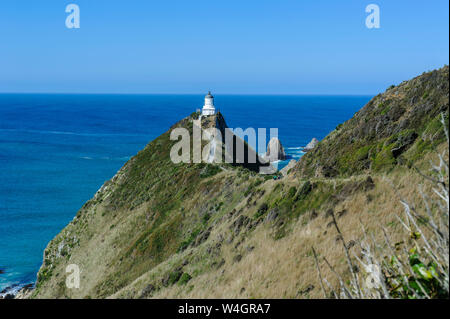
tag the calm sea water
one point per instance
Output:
(57, 150)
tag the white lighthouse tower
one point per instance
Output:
(208, 108)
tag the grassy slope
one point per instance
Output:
(405, 116)
(163, 230)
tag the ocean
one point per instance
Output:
(56, 151)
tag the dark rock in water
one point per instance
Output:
(27, 287)
(275, 150)
(2, 271)
(311, 145)
(9, 288)
(16, 291)
(24, 292)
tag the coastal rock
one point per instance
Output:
(286, 169)
(311, 145)
(25, 292)
(17, 291)
(275, 150)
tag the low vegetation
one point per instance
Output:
(417, 266)
(164, 230)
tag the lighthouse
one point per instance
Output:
(208, 108)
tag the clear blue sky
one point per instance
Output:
(245, 46)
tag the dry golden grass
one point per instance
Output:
(284, 268)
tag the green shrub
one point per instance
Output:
(185, 244)
(209, 170)
(185, 277)
(423, 278)
(174, 277)
(261, 210)
(292, 191)
(304, 191)
(205, 218)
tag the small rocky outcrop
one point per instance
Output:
(275, 150)
(311, 145)
(286, 169)
(25, 292)
(272, 216)
(17, 291)
(147, 291)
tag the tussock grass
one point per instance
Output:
(417, 266)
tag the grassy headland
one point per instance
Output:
(159, 229)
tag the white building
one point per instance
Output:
(208, 108)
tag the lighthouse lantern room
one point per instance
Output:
(208, 108)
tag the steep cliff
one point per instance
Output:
(159, 229)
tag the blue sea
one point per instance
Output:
(57, 150)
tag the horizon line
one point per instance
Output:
(243, 94)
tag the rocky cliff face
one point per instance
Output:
(234, 150)
(313, 143)
(164, 230)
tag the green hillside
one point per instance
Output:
(164, 230)
(396, 127)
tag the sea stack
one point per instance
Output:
(311, 145)
(275, 150)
